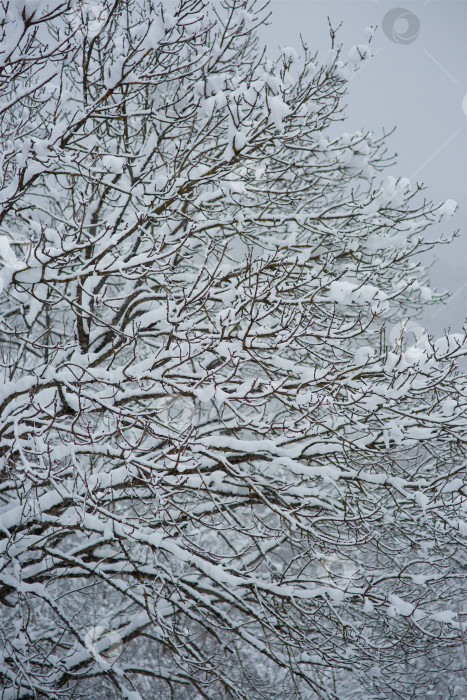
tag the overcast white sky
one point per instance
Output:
(419, 87)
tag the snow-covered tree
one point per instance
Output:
(232, 465)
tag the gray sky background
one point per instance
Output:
(418, 87)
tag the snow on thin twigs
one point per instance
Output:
(232, 462)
